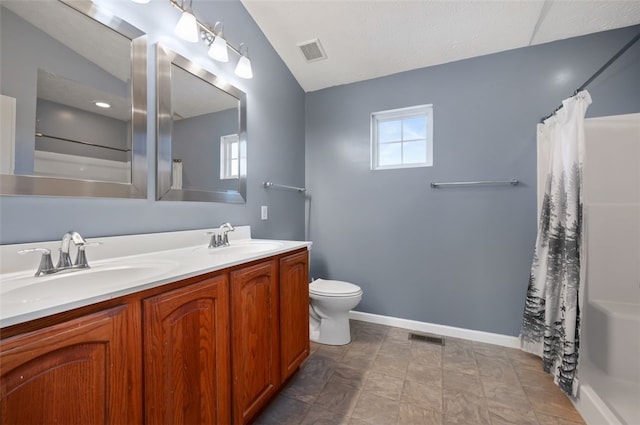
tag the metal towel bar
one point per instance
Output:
(512, 182)
(269, 184)
(80, 142)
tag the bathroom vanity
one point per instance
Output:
(160, 328)
(211, 340)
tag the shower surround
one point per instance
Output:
(609, 366)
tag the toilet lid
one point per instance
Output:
(333, 287)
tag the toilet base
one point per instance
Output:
(333, 331)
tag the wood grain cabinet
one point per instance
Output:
(213, 349)
(294, 312)
(254, 341)
(83, 371)
(186, 355)
(270, 329)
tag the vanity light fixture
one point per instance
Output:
(100, 104)
(218, 46)
(243, 68)
(187, 28)
(141, 1)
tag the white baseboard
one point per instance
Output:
(432, 328)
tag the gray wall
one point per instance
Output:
(275, 145)
(457, 256)
(55, 119)
(196, 141)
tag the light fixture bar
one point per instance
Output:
(204, 27)
(209, 36)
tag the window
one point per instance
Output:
(402, 138)
(229, 157)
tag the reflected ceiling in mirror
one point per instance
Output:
(201, 134)
(62, 64)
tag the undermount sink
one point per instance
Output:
(28, 288)
(241, 248)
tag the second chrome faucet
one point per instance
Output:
(221, 237)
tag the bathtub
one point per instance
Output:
(613, 338)
(610, 365)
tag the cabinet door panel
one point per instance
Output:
(254, 338)
(77, 372)
(294, 312)
(187, 355)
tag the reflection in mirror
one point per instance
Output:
(201, 134)
(205, 125)
(75, 138)
(75, 82)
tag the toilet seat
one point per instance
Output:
(334, 288)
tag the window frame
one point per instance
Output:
(226, 157)
(399, 115)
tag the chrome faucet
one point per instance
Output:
(224, 229)
(220, 238)
(64, 260)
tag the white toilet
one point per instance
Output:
(329, 306)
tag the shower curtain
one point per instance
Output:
(551, 320)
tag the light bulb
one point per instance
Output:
(187, 28)
(243, 69)
(218, 50)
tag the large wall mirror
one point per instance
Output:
(201, 133)
(73, 113)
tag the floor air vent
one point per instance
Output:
(429, 339)
(312, 50)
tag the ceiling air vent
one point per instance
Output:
(312, 50)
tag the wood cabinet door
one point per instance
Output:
(83, 371)
(294, 312)
(254, 340)
(186, 355)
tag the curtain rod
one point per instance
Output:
(598, 72)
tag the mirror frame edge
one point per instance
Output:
(164, 123)
(34, 185)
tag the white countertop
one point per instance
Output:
(122, 265)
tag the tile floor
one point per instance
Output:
(383, 378)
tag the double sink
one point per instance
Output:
(22, 292)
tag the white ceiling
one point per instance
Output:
(64, 24)
(64, 91)
(365, 39)
(191, 96)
